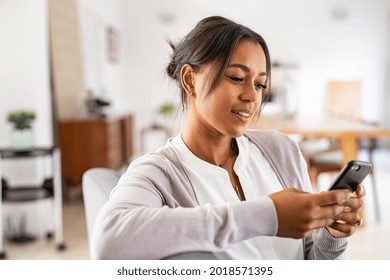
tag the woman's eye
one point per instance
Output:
(236, 79)
(260, 86)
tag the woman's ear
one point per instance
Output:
(187, 75)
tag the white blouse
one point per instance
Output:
(212, 186)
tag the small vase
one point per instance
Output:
(21, 139)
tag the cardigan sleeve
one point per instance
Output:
(320, 245)
(141, 222)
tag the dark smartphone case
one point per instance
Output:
(351, 175)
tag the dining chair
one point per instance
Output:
(342, 101)
(324, 155)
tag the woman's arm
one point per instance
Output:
(137, 223)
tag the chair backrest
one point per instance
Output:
(343, 99)
(97, 184)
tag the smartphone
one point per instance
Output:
(351, 175)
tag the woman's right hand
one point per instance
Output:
(299, 212)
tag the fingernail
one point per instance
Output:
(347, 209)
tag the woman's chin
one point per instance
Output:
(237, 132)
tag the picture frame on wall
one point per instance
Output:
(112, 44)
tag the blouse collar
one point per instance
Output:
(205, 167)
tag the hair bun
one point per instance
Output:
(171, 69)
(172, 66)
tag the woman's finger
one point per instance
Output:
(355, 204)
(360, 191)
(351, 218)
(344, 229)
(332, 197)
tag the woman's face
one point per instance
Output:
(229, 108)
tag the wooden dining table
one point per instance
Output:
(347, 131)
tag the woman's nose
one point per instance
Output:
(250, 94)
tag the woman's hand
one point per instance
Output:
(299, 213)
(346, 223)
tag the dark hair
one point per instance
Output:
(213, 40)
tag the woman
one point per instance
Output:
(216, 187)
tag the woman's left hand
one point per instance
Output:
(346, 222)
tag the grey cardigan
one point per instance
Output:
(153, 212)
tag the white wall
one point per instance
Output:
(24, 77)
(24, 66)
(386, 113)
(102, 76)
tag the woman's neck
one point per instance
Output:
(210, 147)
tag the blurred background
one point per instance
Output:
(92, 72)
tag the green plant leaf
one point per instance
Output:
(21, 119)
(167, 109)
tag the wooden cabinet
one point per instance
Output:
(88, 143)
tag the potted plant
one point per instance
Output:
(21, 137)
(167, 109)
(164, 117)
(21, 119)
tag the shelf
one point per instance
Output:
(16, 153)
(50, 188)
(27, 193)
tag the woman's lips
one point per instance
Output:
(244, 114)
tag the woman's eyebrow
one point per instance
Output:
(245, 68)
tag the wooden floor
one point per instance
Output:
(371, 242)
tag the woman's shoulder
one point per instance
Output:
(264, 133)
(161, 171)
(274, 142)
(164, 160)
(269, 137)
